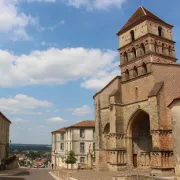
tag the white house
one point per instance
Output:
(78, 137)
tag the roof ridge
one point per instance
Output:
(143, 10)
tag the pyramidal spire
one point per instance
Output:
(143, 10)
(139, 16)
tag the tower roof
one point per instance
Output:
(139, 16)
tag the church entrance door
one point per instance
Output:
(135, 160)
(141, 140)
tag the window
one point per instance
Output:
(81, 147)
(93, 133)
(82, 159)
(143, 50)
(162, 48)
(127, 74)
(62, 146)
(134, 52)
(155, 47)
(132, 36)
(136, 92)
(82, 133)
(169, 50)
(107, 128)
(144, 68)
(160, 31)
(93, 146)
(135, 71)
(62, 136)
(125, 57)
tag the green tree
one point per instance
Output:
(71, 158)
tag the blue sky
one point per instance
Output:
(56, 54)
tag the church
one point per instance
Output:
(132, 119)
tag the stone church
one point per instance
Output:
(132, 119)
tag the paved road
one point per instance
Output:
(27, 174)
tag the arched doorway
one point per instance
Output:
(141, 140)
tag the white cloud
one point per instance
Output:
(56, 120)
(52, 28)
(19, 120)
(13, 21)
(57, 66)
(95, 4)
(81, 111)
(40, 0)
(22, 104)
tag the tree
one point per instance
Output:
(71, 158)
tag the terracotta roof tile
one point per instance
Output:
(174, 100)
(86, 123)
(156, 88)
(62, 130)
(141, 15)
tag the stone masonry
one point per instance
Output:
(132, 119)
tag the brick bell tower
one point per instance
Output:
(133, 121)
(145, 40)
(144, 37)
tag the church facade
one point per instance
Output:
(132, 119)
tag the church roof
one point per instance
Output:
(156, 88)
(173, 101)
(139, 16)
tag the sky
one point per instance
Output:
(56, 54)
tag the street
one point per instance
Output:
(26, 174)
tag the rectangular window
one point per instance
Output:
(82, 159)
(81, 147)
(62, 146)
(93, 133)
(62, 136)
(82, 133)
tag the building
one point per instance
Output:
(4, 138)
(132, 119)
(175, 112)
(78, 138)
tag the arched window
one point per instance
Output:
(134, 52)
(143, 50)
(135, 71)
(136, 92)
(144, 68)
(155, 47)
(160, 31)
(127, 74)
(162, 48)
(107, 128)
(125, 57)
(169, 50)
(132, 36)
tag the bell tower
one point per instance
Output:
(144, 39)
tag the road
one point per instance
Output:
(26, 174)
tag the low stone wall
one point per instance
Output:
(138, 177)
(62, 175)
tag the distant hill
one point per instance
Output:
(34, 147)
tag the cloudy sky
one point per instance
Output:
(56, 54)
